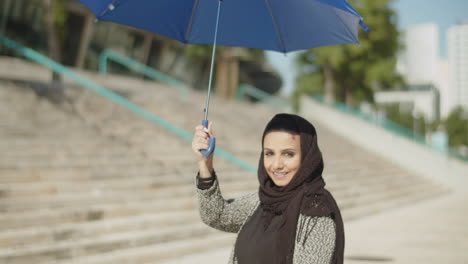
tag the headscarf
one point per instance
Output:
(281, 206)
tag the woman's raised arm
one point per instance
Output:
(215, 211)
(225, 215)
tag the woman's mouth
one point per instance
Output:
(280, 174)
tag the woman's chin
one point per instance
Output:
(281, 181)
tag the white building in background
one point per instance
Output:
(418, 62)
(457, 44)
(443, 85)
(420, 100)
(420, 66)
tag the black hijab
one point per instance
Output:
(269, 235)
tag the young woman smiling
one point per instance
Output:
(282, 156)
(292, 219)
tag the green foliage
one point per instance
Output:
(435, 125)
(203, 52)
(311, 83)
(60, 16)
(456, 126)
(402, 118)
(359, 70)
(257, 55)
(396, 114)
(421, 125)
(307, 84)
(198, 52)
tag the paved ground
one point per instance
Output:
(430, 232)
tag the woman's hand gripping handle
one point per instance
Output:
(211, 141)
(202, 139)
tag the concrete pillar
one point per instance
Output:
(146, 47)
(227, 74)
(166, 56)
(86, 34)
(6, 8)
(233, 77)
(222, 69)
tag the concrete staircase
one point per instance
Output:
(87, 181)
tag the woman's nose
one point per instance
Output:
(278, 163)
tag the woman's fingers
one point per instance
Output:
(201, 141)
(201, 134)
(202, 131)
(199, 146)
(210, 129)
(196, 145)
(200, 138)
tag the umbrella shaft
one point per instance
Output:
(207, 103)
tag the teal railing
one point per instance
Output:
(246, 89)
(136, 66)
(387, 125)
(59, 68)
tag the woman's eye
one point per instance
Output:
(268, 153)
(289, 154)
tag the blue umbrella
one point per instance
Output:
(278, 25)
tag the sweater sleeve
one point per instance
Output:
(315, 240)
(225, 215)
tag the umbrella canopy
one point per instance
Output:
(277, 25)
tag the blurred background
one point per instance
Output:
(96, 121)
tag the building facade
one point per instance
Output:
(457, 40)
(419, 64)
(418, 60)
(420, 100)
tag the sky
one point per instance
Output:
(444, 13)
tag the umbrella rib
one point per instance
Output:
(110, 7)
(189, 27)
(345, 25)
(267, 2)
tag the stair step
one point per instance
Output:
(103, 244)
(107, 197)
(67, 183)
(158, 252)
(86, 213)
(373, 204)
(50, 234)
(115, 172)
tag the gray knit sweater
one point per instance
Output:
(231, 215)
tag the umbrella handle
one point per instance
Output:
(211, 141)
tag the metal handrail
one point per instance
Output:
(59, 68)
(136, 66)
(246, 89)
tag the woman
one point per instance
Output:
(292, 218)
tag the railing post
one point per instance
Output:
(241, 92)
(103, 62)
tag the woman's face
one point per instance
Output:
(281, 156)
